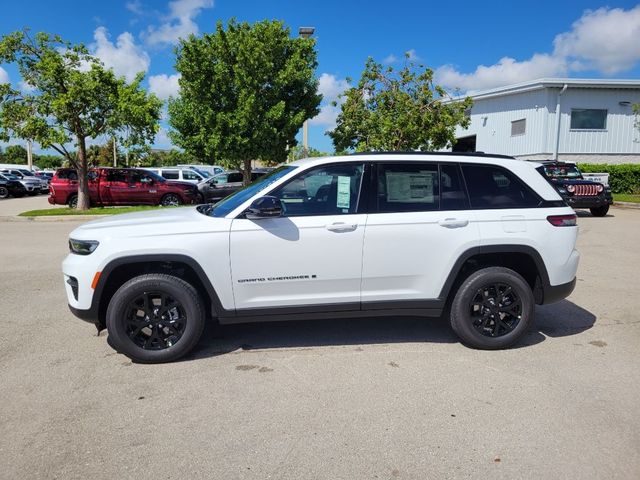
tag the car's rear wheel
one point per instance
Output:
(73, 201)
(170, 200)
(155, 318)
(4, 192)
(492, 309)
(599, 211)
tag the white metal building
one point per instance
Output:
(595, 125)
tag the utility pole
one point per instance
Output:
(305, 32)
(29, 155)
(115, 153)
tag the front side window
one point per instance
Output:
(325, 190)
(407, 187)
(588, 119)
(491, 187)
(117, 176)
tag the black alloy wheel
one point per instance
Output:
(73, 201)
(170, 200)
(155, 321)
(495, 310)
(4, 192)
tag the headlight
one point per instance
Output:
(82, 247)
(599, 188)
(571, 188)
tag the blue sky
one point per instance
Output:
(471, 45)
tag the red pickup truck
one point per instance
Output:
(121, 186)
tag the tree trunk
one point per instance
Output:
(246, 172)
(83, 183)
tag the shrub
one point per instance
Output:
(623, 178)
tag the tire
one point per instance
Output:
(72, 201)
(599, 211)
(173, 308)
(4, 192)
(492, 309)
(170, 200)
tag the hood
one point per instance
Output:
(166, 221)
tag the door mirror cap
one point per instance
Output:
(264, 207)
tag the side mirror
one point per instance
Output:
(264, 207)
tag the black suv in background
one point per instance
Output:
(9, 185)
(575, 190)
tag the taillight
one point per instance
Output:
(563, 220)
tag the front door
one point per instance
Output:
(312, 255)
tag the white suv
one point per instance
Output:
(481, 237)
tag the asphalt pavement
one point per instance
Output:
(395, 398)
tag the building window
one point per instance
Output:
(518, 127)
(588, 119)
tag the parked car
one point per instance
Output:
(10, 185)
(575, 190)
(210, 169)
(224, 184)
(32, 184)
(121, 186)
(481, 237)
(179, 174)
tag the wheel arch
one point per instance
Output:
(523, 259)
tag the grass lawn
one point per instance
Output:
(92, 211)
(625, 197)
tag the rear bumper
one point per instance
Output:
(555, 293)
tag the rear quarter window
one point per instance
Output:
(491, 186)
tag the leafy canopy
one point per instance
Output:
(401, 110)
(245, 91)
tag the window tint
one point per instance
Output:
(588, 119)
(220, 179)
(117, 176)
(235, 177)
(518, 127)
(190, 175)
(407, 187)
(171, 174)
(494, 187)
(325, 190)
(453, 195)
(67, 174)
(92, 175)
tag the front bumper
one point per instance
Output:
(588, 201)
(90, 315)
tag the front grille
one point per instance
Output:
(586, 190)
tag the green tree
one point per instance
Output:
(245, 92)
(397, 110)
(74, 98)
(16, 154)
(48, 162)
(297, 152)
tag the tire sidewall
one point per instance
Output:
(171, 195)
(183, 292)
(461, 320)
(4, 192)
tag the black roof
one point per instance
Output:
(458, 154)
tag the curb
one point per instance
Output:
(627, 205)
(52, 218)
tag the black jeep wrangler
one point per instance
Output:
(575, 190)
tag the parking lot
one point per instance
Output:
(341, 399)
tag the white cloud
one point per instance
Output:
(25, 87)
(505, 72)
(330, 87)
(164, 86)
(179, 23)
(4, 76)
(135, 6)
(412, 55)
(125, 57)
(604, 40)
(607, 40)
(389, 59)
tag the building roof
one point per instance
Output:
(552, 83)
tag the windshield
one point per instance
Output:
(562, 171)
(230, 203)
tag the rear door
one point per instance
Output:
(114, 188)
(418, 226)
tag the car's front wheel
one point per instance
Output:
(170, 200)
(492, 309)
(155, 318)
(4, 192)
(599, 211)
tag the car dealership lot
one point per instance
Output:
(385, 398)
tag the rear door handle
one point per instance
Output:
(342, 227)
(453, 223)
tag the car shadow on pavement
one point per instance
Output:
(558, 320)
(587, 214)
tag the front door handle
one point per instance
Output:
(453, 223)
(342, 227)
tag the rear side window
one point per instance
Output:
(491, 186)
(171, 174)
(407, 187)
(67, 174)
(453, 195)
(117, 176)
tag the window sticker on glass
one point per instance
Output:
(410, 186)
(344, 192)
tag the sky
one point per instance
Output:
(470, 45)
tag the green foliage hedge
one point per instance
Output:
(623, 178)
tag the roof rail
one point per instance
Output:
(461, 154)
